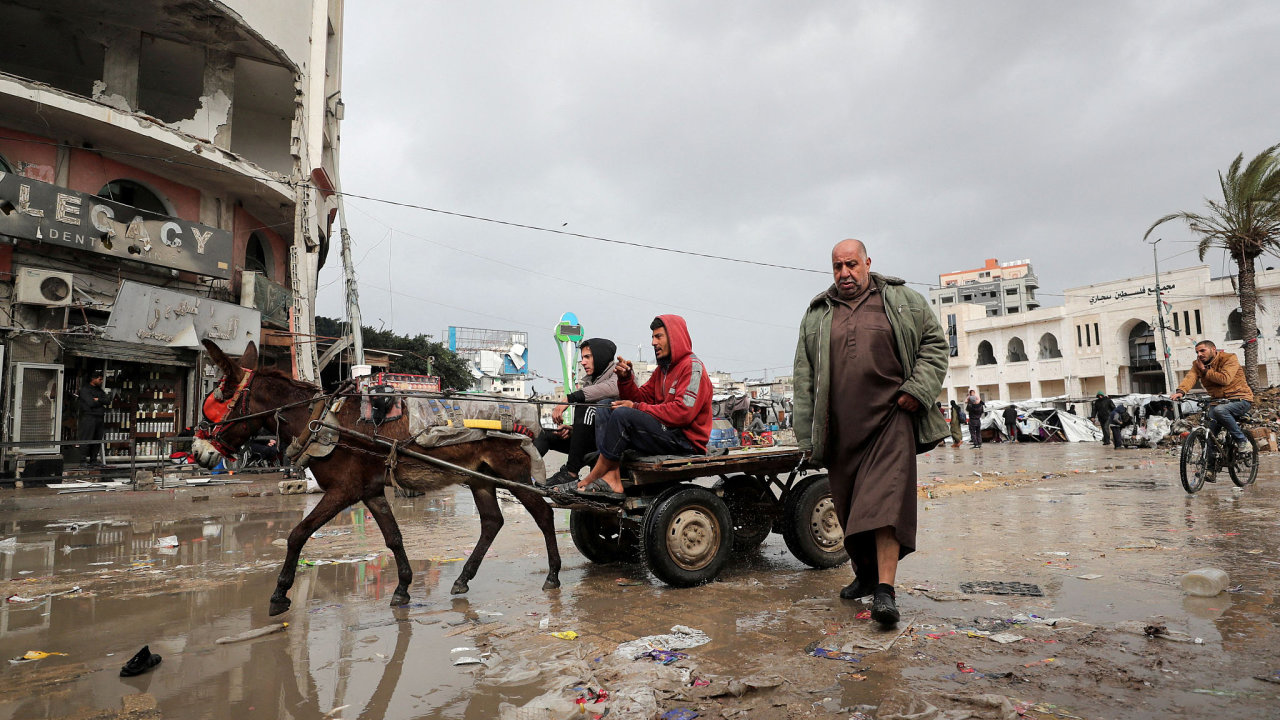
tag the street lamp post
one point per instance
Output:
(1164, 340)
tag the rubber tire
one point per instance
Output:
(813, 540)
(688, 534)
(598, 537)
(1192, 449)
(1245, 479)
(753, 508)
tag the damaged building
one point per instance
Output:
(167, 170)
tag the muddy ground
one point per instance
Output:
(1104, 535)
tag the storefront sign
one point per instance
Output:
(1121, 294)
(155, 316)
(38, 211)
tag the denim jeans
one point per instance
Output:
(1226, 414)
(627, 428)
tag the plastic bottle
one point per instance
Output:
(1205, 582)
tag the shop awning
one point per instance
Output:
(95, 347)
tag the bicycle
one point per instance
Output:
(1197, 466)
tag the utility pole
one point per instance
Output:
(1164, 341)
(353, 292)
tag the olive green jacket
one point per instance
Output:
(922, 349)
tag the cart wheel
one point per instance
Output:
(600, 537)
(810, 525)
(752, 507)
(687, 536)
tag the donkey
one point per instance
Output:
(356, 470)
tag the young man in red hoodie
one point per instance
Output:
(669, 415)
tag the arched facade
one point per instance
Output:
(986, 354)
(136, 194)
(1017, 352)
(1049, 349)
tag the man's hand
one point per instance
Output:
(622, 368)
(1198, 365)
(622, 404)
(564, 431)
(908, 402)
(1177, 395)
(557, 414)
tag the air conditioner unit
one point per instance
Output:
(43, 287)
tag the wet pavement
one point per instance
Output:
(1104, 537)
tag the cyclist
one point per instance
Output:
(1223, 378)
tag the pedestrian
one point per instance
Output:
(92, 402)
(1120, 417)
(974, 408)
(870, 358)
(1011, 421)
(957, 424)
(1102, 408)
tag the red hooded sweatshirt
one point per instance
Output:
(679, 391)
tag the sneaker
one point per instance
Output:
(563, 477)
(1244, 448)
(1210, 476)
(884, 608)
(857, 589)
(140, 663)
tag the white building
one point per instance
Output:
(1105, 337)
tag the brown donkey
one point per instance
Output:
(356, 469)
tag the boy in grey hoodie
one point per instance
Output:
(598, 382)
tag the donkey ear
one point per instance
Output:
(249, 360)
(224, 363)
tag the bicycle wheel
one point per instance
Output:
(1195, 462)
(1244, 468)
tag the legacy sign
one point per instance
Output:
(155, 316)
(38, 211)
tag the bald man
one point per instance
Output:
(869, 367)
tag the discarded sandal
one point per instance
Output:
(600, 489)
(140, 663)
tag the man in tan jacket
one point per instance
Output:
(1223, 378)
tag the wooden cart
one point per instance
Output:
(685, 515)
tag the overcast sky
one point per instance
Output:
(940, 133)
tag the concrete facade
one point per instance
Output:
(1002, 288)
(219, 114)
(1105, 337)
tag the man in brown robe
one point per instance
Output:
(866, 413)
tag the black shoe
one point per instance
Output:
(562, 477)
(884, 608)
(857, 589)
(140, 663)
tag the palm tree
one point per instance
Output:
(1245, 223)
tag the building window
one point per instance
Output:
(948, 300)
(1011, 291)
(952, 338)
(1010, 310)
(1088, 339)
(1198, 330)
(968, 298)
(135, 194)
(1079, 337)
(1097, 336)
(1175, 324)
(1017, 352)
(1049, 347)
(257, 255)
(1186, 321)
(986, 355)
(1235, 328)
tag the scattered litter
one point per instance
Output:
(1152, 630)
(280, 542)
(680, 638)
(995, 587)
(864, 615)
(1090, 576)
(20, 599)
(565, 635)
(338, 561)
(468, 660)
(626, 582)
(1045, 661)
(1274, 677)
(679, 714)
(36, 598)
(1005, 638)
(544, 623)
(1056, 553)
(821, 652)
(34, 655)
(141, 662)
(664, 657)
(167, 542)
(251, 634)
(329, 533)
(1205, 582)
(445, 559)
(105, 562)
(1225, 693)
(1149, 545)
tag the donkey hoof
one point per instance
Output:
(460, 588)
(399, 598)
(551, 584)
(279, 605)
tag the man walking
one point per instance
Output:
(92, 401)
(869, 364)
(957, 424)
(1010, 415)
(974, 408)
(1102, 407)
